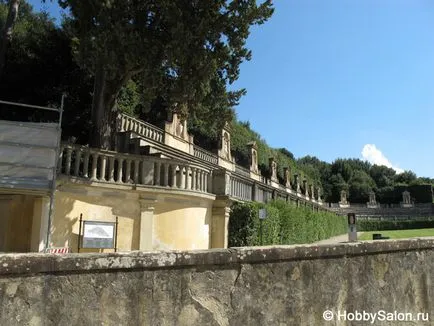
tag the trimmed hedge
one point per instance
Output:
(381, 225)
(285, 224)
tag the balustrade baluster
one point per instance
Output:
(182, 177)
(111, 175)
(123, 124)
(143, 177)
(193, 178)
(136, 171)
(68, 161)
(77, 162)
(157, 174)
(102, 171)
(187, 178)
(128, 171)
(166, 174)
(173, 184)
(86, 164)
(120, 166)
(199, 179)
(95, 157)
(203, 188)
(205, 182)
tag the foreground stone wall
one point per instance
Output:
(242, 286)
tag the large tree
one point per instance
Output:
(184, 44)
(6, 30)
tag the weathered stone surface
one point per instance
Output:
(286, 285)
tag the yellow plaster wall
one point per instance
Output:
(69, 206)
(178, 222)
(182, 224)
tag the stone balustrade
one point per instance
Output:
(112, 167)
(242, 170)
(128, 123)
(204, 155)
(240, 189)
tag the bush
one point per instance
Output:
(285, 224)
(381, 225)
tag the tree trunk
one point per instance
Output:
(6, 35)
(103, 115)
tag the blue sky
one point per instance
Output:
(341, 78)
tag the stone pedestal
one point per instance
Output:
(220, 222)
(147, 207)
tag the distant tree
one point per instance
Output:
(337, 184)
(184, 44)
(342, 167)
(361, 184)
(284, 151)
(382, 175)
(405, 177)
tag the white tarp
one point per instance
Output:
(27, 154)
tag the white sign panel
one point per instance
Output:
(98, 234)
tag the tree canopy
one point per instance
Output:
(192, 48)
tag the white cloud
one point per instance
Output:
(374, 156)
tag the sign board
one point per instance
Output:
(262, 213)
(98, 235)
(352, 231)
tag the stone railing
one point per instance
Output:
(205, 155)
(240, 189)
(128, 123)
(112, 167)
(242, 170)
(263, 195)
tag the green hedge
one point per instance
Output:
(285, 224)
(377, 225)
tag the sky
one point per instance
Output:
(343, 79)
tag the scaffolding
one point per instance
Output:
(29, 156)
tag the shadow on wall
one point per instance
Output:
(64, 229)
(69, 206)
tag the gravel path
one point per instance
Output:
(337, 239)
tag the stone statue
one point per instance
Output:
(179, 128)
(406, 197)
(372, 200)
(344, 197)
(226, 145)
(255, 161)
(287, 174)
(306, 189)
(297, 183)
(273, 168)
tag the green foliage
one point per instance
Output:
(39, 68)
(129, 98)
(242, 134)
(285, 224)
(379, 225)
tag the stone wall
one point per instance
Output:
(241, 286)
